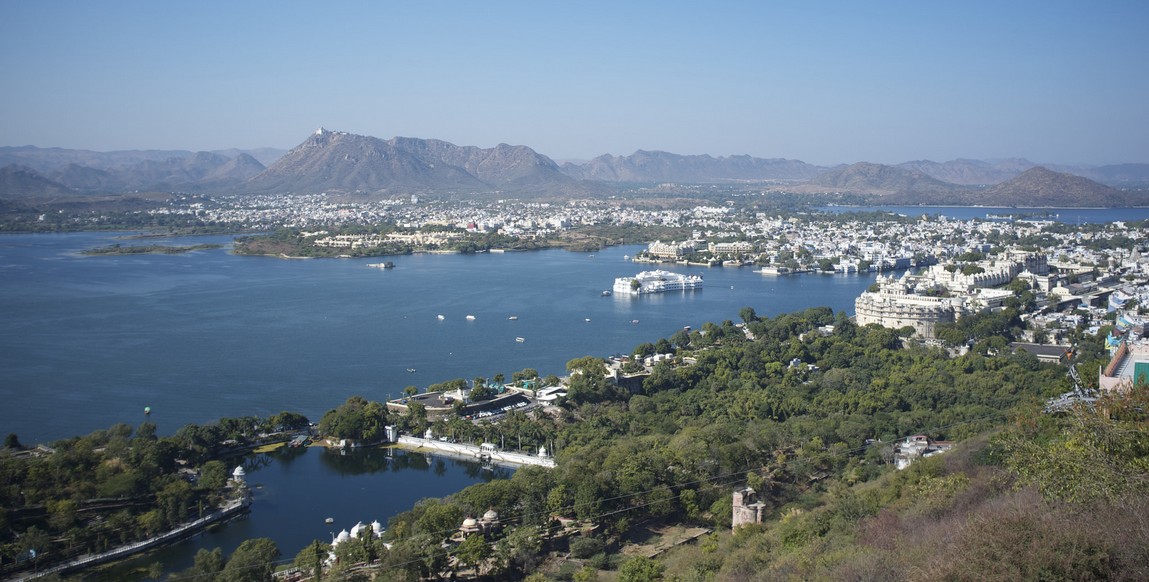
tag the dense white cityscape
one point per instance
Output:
(934, 269)
(1049, 285)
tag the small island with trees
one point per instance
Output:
(118, 249)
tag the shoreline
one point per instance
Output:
(220, 515)
(472, 452)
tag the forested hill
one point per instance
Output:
(805, 408)
(814, 438)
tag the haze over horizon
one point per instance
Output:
(826, 83)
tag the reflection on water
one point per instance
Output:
(201, 337)
(296, 489)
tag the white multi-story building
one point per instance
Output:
(671, 250)
(898, 304)
(656, 282)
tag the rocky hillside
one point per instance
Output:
(330, 161)
(83, 173)
(654, 166)
(504, 165)
(1119, 174)
(23, 183)
(340, 162)
(1039, 186)
(970, 172)
(882, 180)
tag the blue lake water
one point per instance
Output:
(1066, 215)
(86, 342)
(294, 491)
(89, 341)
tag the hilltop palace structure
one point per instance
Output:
(943, 295)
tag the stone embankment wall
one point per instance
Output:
(232, 508)
(474, 452)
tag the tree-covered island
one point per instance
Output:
(118, 249)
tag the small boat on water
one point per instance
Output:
(520, 339)
(411, 370)
(588, 320)
(470, 318)
(513, 318)
(606, 293)
(440, 317)
(634, 321)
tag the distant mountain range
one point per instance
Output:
(18, 182)
(867, 178)
(1036, 186)
(345, 163)
(1043, 187)
(970, 172)
(645, 167)
(83, 172)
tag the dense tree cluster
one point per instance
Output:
(799, 405)
(356, 419)
(1046, 498)
(92, 493)
(804, 407)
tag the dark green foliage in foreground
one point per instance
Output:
(675, 449)
(92, 493)
(804, 407)
(356, 419)
(253, 561)
(1015, 506)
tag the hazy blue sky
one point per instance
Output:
(825, 82)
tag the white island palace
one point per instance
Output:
(656, 282)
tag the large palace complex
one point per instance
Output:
(945, 293)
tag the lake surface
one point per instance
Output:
(1066, 215)
(89, 341)
(296, 490)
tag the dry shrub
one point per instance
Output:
(1019, 537)
(1124, 527)
(865, 566)
(881, 531)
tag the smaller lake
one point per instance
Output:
(1065, 215)
(295, 490)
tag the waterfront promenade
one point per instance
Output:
(473, 452)
(232, 508)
